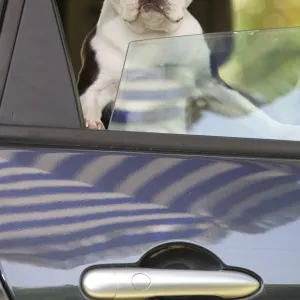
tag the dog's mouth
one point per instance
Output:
(148, 7)
(151, 7)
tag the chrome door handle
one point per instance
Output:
(136, 283)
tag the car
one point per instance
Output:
(131, 215)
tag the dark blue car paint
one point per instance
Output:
(63, 211)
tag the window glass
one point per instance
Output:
(167, 87)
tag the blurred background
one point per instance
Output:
(279, 61)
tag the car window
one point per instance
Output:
(260, 66)
(42, 92)
(167, 86)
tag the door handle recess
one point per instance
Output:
(136, 283)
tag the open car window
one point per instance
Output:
(256, 93)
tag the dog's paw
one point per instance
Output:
(94, 124)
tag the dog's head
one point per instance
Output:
(153, 15)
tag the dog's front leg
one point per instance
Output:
(94, 101)
(91, 113)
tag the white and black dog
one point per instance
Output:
(124, 21)
(104, 51)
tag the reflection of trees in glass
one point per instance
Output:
(261, 66)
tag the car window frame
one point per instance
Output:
(106, 140)
(60, 107)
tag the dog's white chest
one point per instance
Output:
(112, 41)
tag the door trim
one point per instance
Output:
(146, 142)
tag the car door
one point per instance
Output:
(131, 215)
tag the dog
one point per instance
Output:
(122, 22)
(104, 49)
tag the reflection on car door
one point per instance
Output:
(65, 211)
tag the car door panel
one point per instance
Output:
(66, 210)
